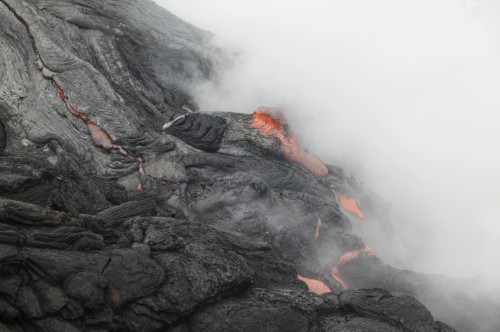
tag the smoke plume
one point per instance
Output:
(403, 94)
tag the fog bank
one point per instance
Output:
(404, 94)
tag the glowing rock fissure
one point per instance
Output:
(100, 138)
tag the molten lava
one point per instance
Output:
(353, 255)
(59, 90)
(315, 286)
(318, 228)
(272, 122)
(75, 112)
(347, 258)
(319, 287)
(350, 205)
(336, 275)
(100, 138)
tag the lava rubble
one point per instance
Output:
(234, 226)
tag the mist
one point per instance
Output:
(405, 95)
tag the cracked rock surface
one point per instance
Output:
(111, 220)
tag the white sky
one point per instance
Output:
(407, 93)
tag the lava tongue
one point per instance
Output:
(272, 122)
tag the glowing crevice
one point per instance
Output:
(99, 136)
(271, 122)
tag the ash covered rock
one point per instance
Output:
(108, 222)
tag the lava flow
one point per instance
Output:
(315, 286)
(347, 258)
(351, 205)
(272, 122)
(318, 228)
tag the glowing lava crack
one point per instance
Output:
(100, 138)
(317, 286)
(271, 122)
(351, 205)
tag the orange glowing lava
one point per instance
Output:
(269, 124)
(315, 286)
(346, 258)
(353, 255)
(318, 227)
(336, 275)
(350, 205)
(272, 122)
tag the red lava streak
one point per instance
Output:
(59, 90)
(100, 138)
(336, 275)
(350, 205)
(76, 113)
(315, 286)
(353, 255)
(272, 122)
(346, 258)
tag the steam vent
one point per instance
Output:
(125, 207)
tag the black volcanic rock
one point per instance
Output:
(202, 131)
(110, 223)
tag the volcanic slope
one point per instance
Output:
(123, 207)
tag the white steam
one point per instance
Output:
(404, 93)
